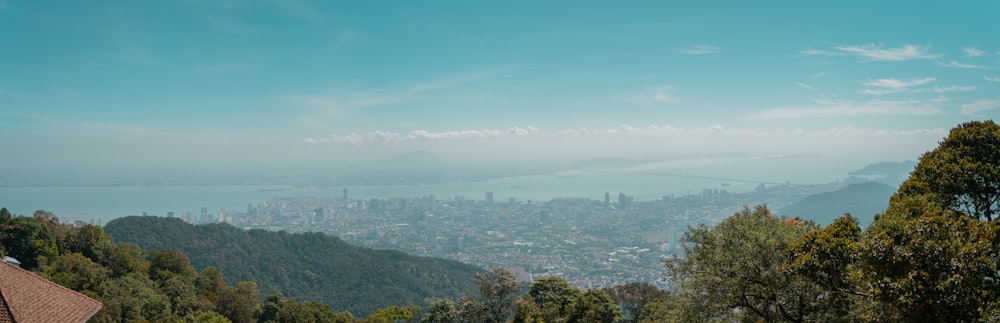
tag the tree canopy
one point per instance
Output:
(963, 172)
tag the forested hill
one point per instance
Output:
(860, 200)
(305, 266)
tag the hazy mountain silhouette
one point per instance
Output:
(860, 200)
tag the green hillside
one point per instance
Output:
(862, 201)
(305, 266)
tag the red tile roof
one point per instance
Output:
(26, 297)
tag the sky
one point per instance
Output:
(188, 82)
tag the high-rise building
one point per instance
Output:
(170, 214)
(345, 193)
(607, 200)
(489, 198)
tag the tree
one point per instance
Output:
(470, 310)
(240, 304)
(963, 172)
(922, 263)
(165, 263)
(5, 216)
(633, 297)
(76, 272)
(554, 297)
(29, 240)
(497, 290)
(826, 257)
(134, 297)
(595, 305)
(205, 317)
(91, 241)
(735, 269)
(441, 310)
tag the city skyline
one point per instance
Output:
(146, 85)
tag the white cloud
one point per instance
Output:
(701, 50)
(956, 64)
(805, 85)
(817, 75)
(872, 52)
(974, 108)
(953, 88)
(992, 78)
(972, 51)
(322, 106)
(891, 85)
(663, 95)
(379, 136)
(818, 52)
(829, 108)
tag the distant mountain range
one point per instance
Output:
(886, 168)
(304, 266)
(862, 201)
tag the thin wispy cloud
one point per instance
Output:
(800, 84)
(956, 64)
(664, 95)
(661, 94)
(873, 52)
(891, 85)
(817, 75)
(700, 50)
(992, 78)
(389, 136)
(972, 51)
(953, 88)
(831, 108)
(974, 108)
(343, 102)
(603, 135)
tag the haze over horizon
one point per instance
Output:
(698, 87)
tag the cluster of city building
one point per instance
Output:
(591, 243)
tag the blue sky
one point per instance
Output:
(218, 82)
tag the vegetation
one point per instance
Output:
(963, 172)
(311, 266)
(931, 256)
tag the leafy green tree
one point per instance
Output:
(922, 263)
(963, 172)
(30, 241)
(441, 310)
(595, 305)
(271, 307)
(498, 287)
(392, 314)
(184, 297)
(91, 241)
(210, 283)
(554, 296)
(240, 304)
(206, 317)
(633, 297)
(470, 310)
(5, 216)
(164, 263)
(127, 258)
(134, 297)
(736, 269)
(827, 258)
(527, 311)
(76, 272)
